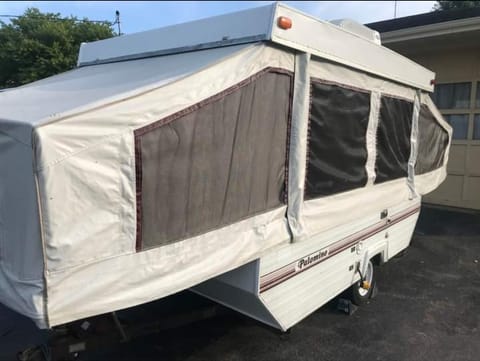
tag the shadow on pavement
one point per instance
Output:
(447, 222)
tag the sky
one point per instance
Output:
(138, 16)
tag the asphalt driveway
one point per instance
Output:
(427, 308)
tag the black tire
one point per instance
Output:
(356, 293)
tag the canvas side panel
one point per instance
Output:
(21, 256)
(338, 73)
(89, 202)
(88, 161)
(135, 278)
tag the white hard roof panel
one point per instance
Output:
(235, 28)
(307, 34)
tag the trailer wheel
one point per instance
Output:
(358, 294)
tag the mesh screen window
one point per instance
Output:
(337, 151)
(393, 139)
(432, 142)
(216, 163)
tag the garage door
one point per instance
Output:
(460, 105)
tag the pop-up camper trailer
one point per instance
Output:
(265, 159)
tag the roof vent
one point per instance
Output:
(359, 29)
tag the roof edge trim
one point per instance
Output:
(179, 50)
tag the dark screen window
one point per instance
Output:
(337, 151)
(216, 163)
(432, 142)
(393, 139)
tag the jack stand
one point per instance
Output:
(119, 327)
(374, 291)
(346, 306)
(68, 342)
(285, 335)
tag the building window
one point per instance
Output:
(477, 102)
(452, 96)
(459, 123)
(476, 126)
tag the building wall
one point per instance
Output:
(453, 65)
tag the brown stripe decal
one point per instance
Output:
(280, 275)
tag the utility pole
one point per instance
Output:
(117, 21)
(395, 10)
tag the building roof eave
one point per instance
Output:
(431, 30)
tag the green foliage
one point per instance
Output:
(449, 5)
(37, 45)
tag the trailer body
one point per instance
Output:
(260, 166)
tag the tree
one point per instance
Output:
(449, 5)
(37, 45)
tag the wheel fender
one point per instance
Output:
(380, 250)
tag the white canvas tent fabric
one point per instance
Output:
(321, 214)
(80, 142)
(68, 211)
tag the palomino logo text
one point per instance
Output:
(311, 259)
